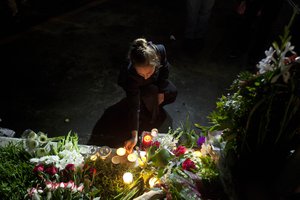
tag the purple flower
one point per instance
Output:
(200, 141)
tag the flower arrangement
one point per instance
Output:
(65, 170)
(59, 168)
(258, 120)
(262, 109)
(179, 171)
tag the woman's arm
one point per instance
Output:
(130, 144)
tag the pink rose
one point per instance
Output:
(180, 151)
(188, 164)
(70, 167)
(38, 168)
(51, 170)
(80, 187)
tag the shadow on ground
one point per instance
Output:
(112, 128)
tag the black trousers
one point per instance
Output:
(149, 99)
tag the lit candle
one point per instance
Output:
(127, 178)
(147, 140)
(153, 181)
(131, 157)
(121, 151)
(115, 160)
(93, 157)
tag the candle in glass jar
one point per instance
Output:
(131, 157)
(154, 132)
(147, 140)
(121, 151)
(115, 160)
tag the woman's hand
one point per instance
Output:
(161, 98)
(130, 144)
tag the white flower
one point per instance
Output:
(74, 189)
(34, 160)
(49, 185)
(32, 135)
(41, 152)
(42, 138)
(62, 185)
(70, 184)
(167, 141)
(68, 145)
(32, 144)
(266, 64)
(288, 48)
(269, 53)
(80, 187)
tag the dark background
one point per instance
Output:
(60, 60)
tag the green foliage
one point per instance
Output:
(108, 182)
(208, 171)
(261, 110)
(185, 134)
(69, 142)
(134, 190)
(15, 172)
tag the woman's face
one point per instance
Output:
(145, 70)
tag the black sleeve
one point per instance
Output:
(130, 85)
(162, 81)
(163, 70)
(133, 95)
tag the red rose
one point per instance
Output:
(180, 151)
(156, 144)
(188, 164)
(38, 168)
(70, 167)
(51, 170)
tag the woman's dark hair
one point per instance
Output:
(140, 53)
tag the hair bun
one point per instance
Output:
(140, 42)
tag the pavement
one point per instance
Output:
(60, 73)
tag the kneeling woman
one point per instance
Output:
(145, 81)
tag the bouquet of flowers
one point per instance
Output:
(179, 171)
(262, 109)
(259, 118)
(59, 167)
